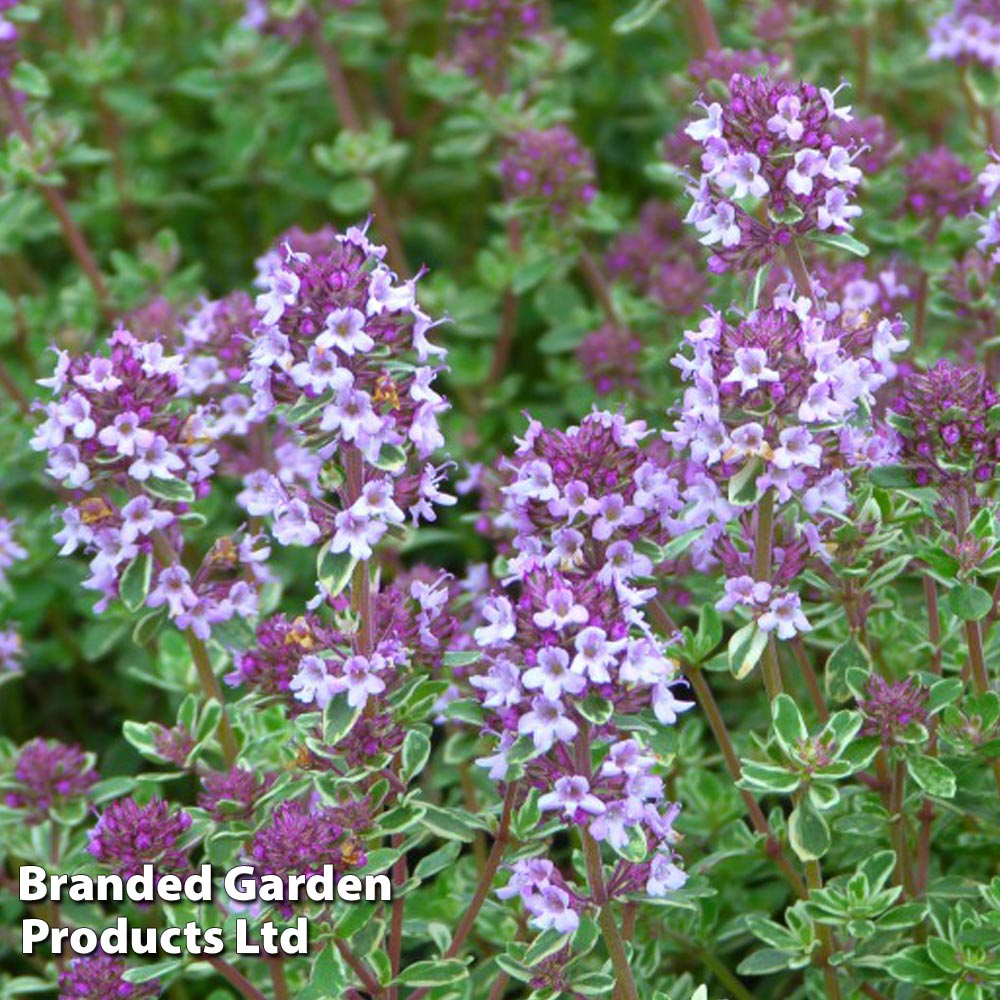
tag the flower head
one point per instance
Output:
(48, 775)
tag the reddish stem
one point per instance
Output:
(75, 239)
(485, 882)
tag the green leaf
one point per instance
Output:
(840, 241)
(892, 477)
(789, 726)
(547, 943)
(911, 965)
(638, 17)
(898, 918)
(932, 776)
(158, 970)
(352, 195)
(416, 750)
(767, 778)
(461, 657)
(596, 709)
(437, 972)
(438, 860)
(709, 629)
(447, 823)
(146, 627)
(339, 718)
(175, 490)
(390, 458)
(134, 586)
(465, 710)
(764, 962)
(334, 569)
(807, 832)
(970, 603)
(743, 489)
(753, 294)
(140, 735)
(745, 648)
(850, 654)
(30, 79)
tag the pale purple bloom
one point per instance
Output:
(595, 653)
(552, 674)
(356, 534)
(293, 524)
(547, 723)
(664, 876)
(345, 330)
(140, 517)
(750, 369)
(572, 796)
(561, 610)
(359, 679)
(282, 290)
(173, 589)
(785, 617)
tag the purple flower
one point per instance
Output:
(301, 840)
(549, 167)
(777, 142)
(969, 33)
(553, 675)
(546, 723)
(129, 835)
(100, 977)
(487, 34)
(11, 551)
(890, 706)
(232, 795)
(10, 652)
(356, 534)
(608, 357)
(46, 776)
(942, 417)
(784, 616)
(664, 876)
(573, 797)
(939, 185)
(359, 678)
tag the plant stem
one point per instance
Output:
(809, 675)
(705, 33)
(800, 272)
(598, 285)
(904, 873)
(499, 986)
(360, 969)
(361, 583)
(508, 314)
(235, 978)
(763, 543)
(351, 120)
(757, 818)
(814, 879)
(933, 621)
(399, 872)
(202, 661)
(278, 981)
(624, 980)
(210, 685)
(485, 881)
(75, 239)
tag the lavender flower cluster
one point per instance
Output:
(772, 169)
